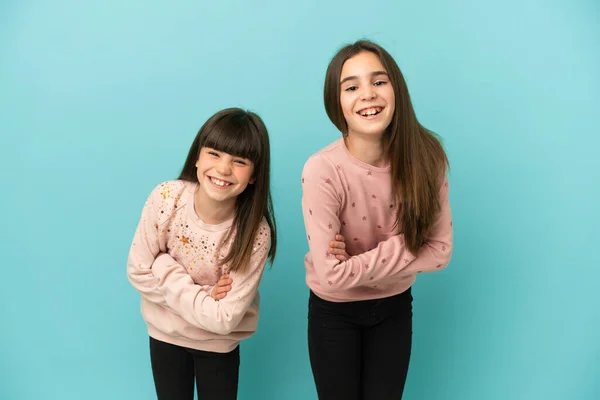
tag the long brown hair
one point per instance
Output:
(242, 134)
(418, 160)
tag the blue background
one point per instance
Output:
(100, 100)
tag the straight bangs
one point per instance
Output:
(236, 135)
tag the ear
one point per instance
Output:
(252, 180)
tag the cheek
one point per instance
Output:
(391, 100)
(245, 176)
(346, 105)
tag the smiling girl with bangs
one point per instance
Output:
(198, 255)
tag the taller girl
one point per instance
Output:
(383, 188)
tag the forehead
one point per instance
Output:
(206, 149)
(235, 142)
(363, 63)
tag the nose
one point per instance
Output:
(223, 167)
(368, 93)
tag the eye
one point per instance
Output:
(350, 88)
(213, 153)
(380, 83)
(241, 162)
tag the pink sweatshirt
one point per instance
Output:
(343, 194)
(176, 286)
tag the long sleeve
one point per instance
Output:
(321, 204)
(144, 249)
(194, 302)
(436, 253)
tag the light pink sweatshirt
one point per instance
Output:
(342, 194)
(176, 286)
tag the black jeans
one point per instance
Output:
(175, 367)
(360, 350)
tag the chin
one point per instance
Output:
(371, 132)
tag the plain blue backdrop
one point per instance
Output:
(100, 100)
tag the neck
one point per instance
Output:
(368, 149)
(212, 212)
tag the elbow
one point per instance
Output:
(218, 327)
(226, 326)
(440, 254)
(130, 272)
(445, 256)
(223, 330)
(132, 281)
(448, 253)
(442, 266)
(137, 274)
(133, 277)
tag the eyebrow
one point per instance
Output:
(373, 74)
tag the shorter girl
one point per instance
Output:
(198, 255)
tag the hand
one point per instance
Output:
(222, 287)
(337, 247)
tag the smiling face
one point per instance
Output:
(366, 95)
(222, 177)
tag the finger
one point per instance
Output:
(339, 238)
(341, 257)
(336, 244)
(224, 282)
(338, 251)
(220, 296)
(223, 289)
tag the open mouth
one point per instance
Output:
(370, 111)
(219, 183)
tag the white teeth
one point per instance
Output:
(370, 111)
(219, 182)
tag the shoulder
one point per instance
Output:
(262, 239)
(324, 161)
(168, 191)
(167, 197)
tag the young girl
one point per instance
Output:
(379, 194)
(198, 256)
